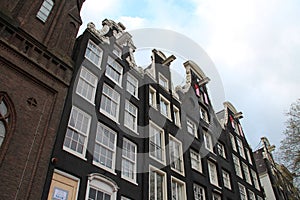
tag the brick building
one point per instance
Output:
(36, 43)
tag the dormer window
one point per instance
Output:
(45, 10)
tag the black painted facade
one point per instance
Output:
(158, 106)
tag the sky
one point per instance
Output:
(254, 45)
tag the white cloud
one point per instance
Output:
(132, 22)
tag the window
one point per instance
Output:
(212, 170)
(196, 160)
(248, 155)
(87, 84)
(176, 154)
(242, 190)
(152, 97)
(178, 189)
(132, 85)
(208, 141)
(130, 119)
(101, 187)
(117, 51)
(163, 81)
(165, 107)
(240, 147)
(157, 185)
(157, 142)
(77, 132)
(114, 71)
(191, 127)
(246, 173)
(129, 160)
(216, 196)
(176, 116)
(232, 140)
(255, 180)
(93, 53)
(6, 116)
(251, 195)
(237, 166)
(105, 148)
(199, 192)
(204, 115)
(110, 102)
(221, 150)
(226, 179)
(45, 10)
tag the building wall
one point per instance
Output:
(266, 183)
(35, 78)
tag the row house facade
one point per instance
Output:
(127, 134)
(275, 178)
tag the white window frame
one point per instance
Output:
(163, 81)
(237, 166)
(87, 85)
(166, 102)
(199, 192)
(196, 158)
(204, 115)
(117, 51)
(95, 51)
(232, 140)
(134, 83)
(246, 173)
(164, 184)
(114, 68)
(101, 184)
(248, 155)
(213, 174)
(45, 10)
(240, 147)
(106, 147)
(207, 137)
(255, 179)
(162, 141)
(131, 160)
(178, 167)
(152, 97)
(191, 125)
(243, 192)
(251, 195)
(176, 116)
(177, 193)
(216, 196)
(226, 179)
(221, 150)
(131, 113)
(84, 134)
(115, 98)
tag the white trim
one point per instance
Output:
(180, 157)
(136, 95)
(130, 113)
(117, 101)
(164, 175)
(100, 55)
(163, 161)
(134, 180)
(118, 68)
(194, 127)
(165, 101)
(86, 135)
(199, 160)
(176, 112)
(153, 104)
(92, 101)
(179, 182)
(212, 172)
(163, 79)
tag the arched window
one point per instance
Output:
(6, 116)
(45, 10)
(101, 187)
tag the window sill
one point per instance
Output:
(81, 156)
(130, 180)
(104, 168)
